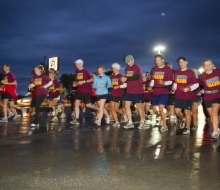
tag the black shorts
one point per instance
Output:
(7, 96)
(93, 99)
(183, 104)
(208, 104)
(108, 98)
(85, 96)
(103, 96)
(198, 100)
(171, 100)
(147, 101)
(33, 102)
(116, 99)
(135, 98)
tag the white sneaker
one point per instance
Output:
(117, 124)
(108, 120)
(125, 118)
(17, 117)
(63, 115)
(11, 114)
(97, 122)
(111, 118)
(24, 111)
(34, 126)
(215, 135)
(4, 120)
(164, 128)
(141, 125)
(33, 113)
(55, 119)
(129, 125)
(74, 122)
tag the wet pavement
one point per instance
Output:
(59, 156)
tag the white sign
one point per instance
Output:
(53, 63)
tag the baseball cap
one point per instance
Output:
(79, 61)
(128, 58)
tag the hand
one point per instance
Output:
(31, 86)
(75, 85)
(172, 91)
(187, 89)
(102, 85)
(3, 82)
(123, 79)
(116, 87)
(161, 82)
(199, 94)
(80, 82)
(150, 89)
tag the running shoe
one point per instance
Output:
(173, 120)
(17, 117)
(125, 119)
(141, 125)
(4, 120)
(111, 118)
(11, 114)
(108, 120)
(186, 131)
(194, 127)
(55, 119)
(33, 113)
(98, 123)
(117, 124)
(182, 124)
(129, 125)
(74, 122)
(24, 111)
(34, 126)
(215, 135)
(63, 116)
(164, 128)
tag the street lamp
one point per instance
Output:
(159, 49)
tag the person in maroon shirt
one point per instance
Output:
(197, 100)
(117, 93)
(185, 82)
(9, 79)
(210, 81)
(54, 94)
(146, 77)
(134, 92)
(40, 82)
(161, 79)
(83, 91)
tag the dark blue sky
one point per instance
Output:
(102, 31)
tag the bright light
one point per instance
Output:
(159, 49)
(201, 70)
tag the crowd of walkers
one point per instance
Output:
(112, 97)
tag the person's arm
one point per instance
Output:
(133, 77)
(48, 84)
(124, 85)
(108, 82)
(194, 87)
(95, 85)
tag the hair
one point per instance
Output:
(158, 55)
(41, 68)
(209, 60)
(183, 58)
(168, 64)
(100, 66)
(5, 64)
(194, 70)
(116, 66)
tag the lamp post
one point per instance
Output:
(159, 49)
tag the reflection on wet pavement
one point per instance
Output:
(60, 156)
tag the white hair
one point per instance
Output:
(116, 66)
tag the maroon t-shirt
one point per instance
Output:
(210, 82)
(39, 82)
(147, 94)
(116, 81)
(9, 77)
(184, 79)
(55, 85)
(134, 86)
(166, 74)
(82, 75)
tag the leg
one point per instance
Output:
(140, 110)
(77, 103)
(101, 108)
(162, 114)
(5, 107)
(194, 112)
(215, 120)
(128, 110)
(188, 117)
